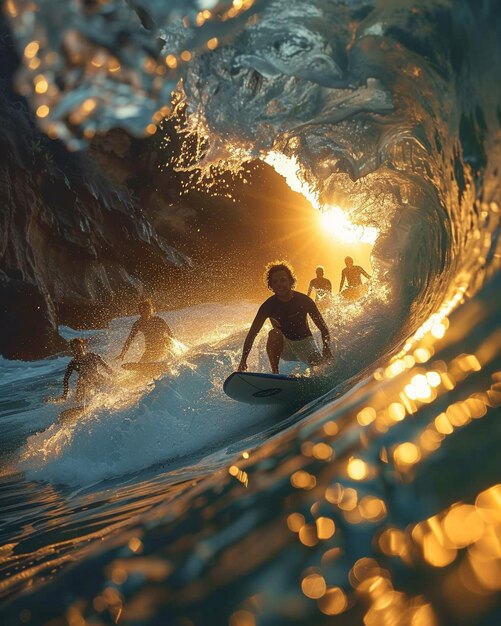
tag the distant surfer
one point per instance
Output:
(89, 367)
(352, 275)
(290, 338)
(157, 335)
(322, 287)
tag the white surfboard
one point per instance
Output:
(256, 388)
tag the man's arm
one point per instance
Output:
(329, 285)
(343, 276)
(168, 331)
(310, 288)
(364, 273)
(256, 326)
(133, 332)
(319, 322)
(104, 365)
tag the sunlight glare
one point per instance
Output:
(333, 219)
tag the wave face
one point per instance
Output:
(380, 109)
(377, 502)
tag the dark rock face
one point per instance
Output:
(74, 246)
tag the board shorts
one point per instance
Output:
(299, 350)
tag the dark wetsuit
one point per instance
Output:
(353, 276)
(156, 332)
(89, 376)
(322, 286)
(290, 316)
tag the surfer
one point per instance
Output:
(322, 286)
(352, 274)
(157, 334)
(88, 365)
(290, 338)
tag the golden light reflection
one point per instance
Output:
(349, 499)
(357, 469)
(366, 416)
(11, 8)
(135, 545)
(325, 528)
(488, 504)
(394, 542)
(242, 618)
(323, 451)
(406, 454)
(42, 111)
(313, 586)
(333, 602)
(308, 535)
(31, 49)
(463, 525)
(295, 521)
(239, 474)
(331, 428)
(372, 509)
(303, 480)
(396, 411)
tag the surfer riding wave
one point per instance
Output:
(290, 338)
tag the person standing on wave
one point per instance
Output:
(290, 338)
(157, 335)
(322, 286)
(352, 274)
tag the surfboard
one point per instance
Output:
(69, 415)
(153, 368)
(353, 293)
(257, 388)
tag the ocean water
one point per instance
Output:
(377, 502)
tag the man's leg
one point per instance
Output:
(82, 390)
(274, 348)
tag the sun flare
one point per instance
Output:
(333, 219)
(335, 222)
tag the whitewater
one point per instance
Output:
(378, 500)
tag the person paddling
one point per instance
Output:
(290, 338)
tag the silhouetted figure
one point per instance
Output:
(88, 366)
(322, 286)
(157, 334)
(352, 274)
(290, 338)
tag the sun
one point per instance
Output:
(335, 222)
(332, 219)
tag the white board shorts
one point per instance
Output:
(299, 350)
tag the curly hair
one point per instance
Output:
(78, 341)
(145, 304)
(277, 266)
